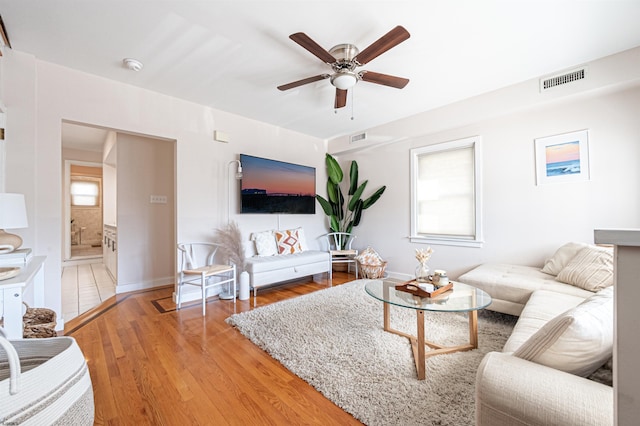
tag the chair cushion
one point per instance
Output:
(579, 341)
(208, 270)
(590, 269)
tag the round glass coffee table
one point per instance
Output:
(461, 298)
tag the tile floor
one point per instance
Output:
(84, 286)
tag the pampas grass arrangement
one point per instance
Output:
(230, 239)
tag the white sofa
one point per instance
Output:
(283, 256)
(562, 334)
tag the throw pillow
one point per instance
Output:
(265, 243)
(590, 269)
(302, 239)
(578, 341)
(561, 257)
(288, 242)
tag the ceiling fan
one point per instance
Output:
(345, 58)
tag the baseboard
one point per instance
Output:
(144, 285)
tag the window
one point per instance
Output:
(85, 192)
(445, 193)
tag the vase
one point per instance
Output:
(244, 290)
(422, 272)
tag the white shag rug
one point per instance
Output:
(333, 339)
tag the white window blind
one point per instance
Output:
(445, 193)
(85, 193)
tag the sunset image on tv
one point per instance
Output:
(270, 186)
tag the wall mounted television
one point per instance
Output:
(271, 186)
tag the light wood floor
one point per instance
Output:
(85, 286)
(153, 365)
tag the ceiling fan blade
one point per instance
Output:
(303, 81)
(305, 41)
(341, 99)
(384, 79)
(384, 43)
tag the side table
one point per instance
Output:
(12, 293)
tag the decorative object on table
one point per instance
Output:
(232, 250)
(20, 257)
(342, 220)
(562, 158)
(439, 278)
(423, 289)
(8, 272)
(422, 270)
(44, 382)
(13, 215)
(370, 263)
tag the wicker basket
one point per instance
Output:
(39, 323)
(372, 271)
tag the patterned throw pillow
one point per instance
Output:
(590, 269)
(265, 243)
(288, 241)
(369, 257)
(578, 341)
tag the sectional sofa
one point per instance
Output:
(555, 368)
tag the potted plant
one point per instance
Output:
(343, 213)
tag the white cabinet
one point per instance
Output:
(110, 250)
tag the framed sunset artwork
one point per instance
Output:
(562, 158)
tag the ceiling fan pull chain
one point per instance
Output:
(352, 90)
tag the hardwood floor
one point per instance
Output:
(151, 364)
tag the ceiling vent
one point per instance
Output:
(561, 79)
(359, 137)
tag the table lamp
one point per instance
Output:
(13, 215)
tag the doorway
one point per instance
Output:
(85, 281)
(85, 210)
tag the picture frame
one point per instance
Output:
(562, 158)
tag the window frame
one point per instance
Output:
(474, 142)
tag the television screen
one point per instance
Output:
(270, 186)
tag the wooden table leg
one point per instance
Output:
(473, 329)
(420, 362)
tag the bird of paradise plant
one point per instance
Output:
(345, 214)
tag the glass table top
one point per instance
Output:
(461, 298)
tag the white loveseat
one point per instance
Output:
(564, 333)
(283, 256)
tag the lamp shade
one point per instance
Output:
(13, 211)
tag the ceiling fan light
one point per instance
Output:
(344, 80)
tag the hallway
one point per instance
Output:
(84, 286)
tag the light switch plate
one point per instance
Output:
(158, 199)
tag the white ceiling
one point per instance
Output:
(231, 55)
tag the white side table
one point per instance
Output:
(12, 291)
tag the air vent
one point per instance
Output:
(358, 137)
(564, 78)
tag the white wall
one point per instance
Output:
(523, 223)
(40, 95)
(145, 231)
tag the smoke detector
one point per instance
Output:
(132, 64)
